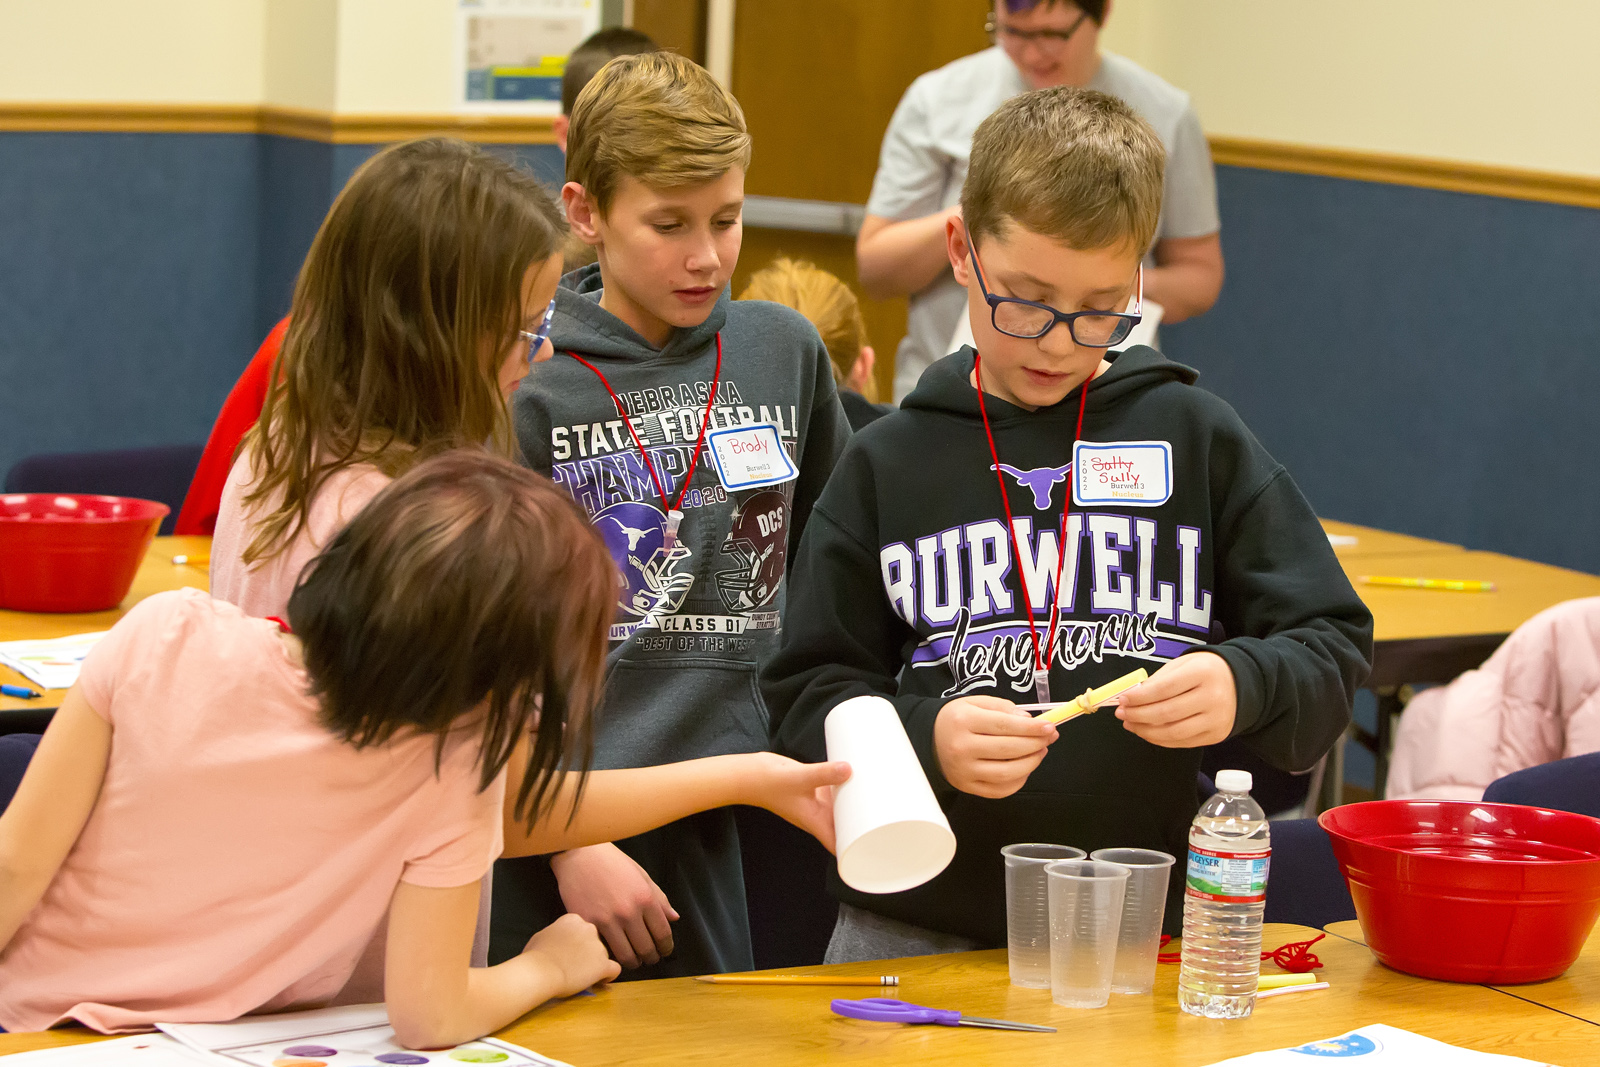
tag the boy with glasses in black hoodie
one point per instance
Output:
(1046, 514)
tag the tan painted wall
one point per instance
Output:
(1476, 80)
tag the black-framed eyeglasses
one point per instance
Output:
(1029, 319)
(537, 339)
(1047, 38)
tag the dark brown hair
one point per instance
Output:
(468, 580)
(1095, 9)
(595, 52)
(409, 299)
(1072, 164)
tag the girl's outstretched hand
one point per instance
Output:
(576, 957)
(801, 793)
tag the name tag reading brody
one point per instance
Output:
(1134, 474)
(747, 457)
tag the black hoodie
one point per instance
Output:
(1226, 557)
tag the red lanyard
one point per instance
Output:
(674, 515)
(1041, 655)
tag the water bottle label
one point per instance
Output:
(1228, 877)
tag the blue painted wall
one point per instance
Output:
(138, 273)
(1421, 361)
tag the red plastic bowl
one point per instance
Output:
(1470, 892)
(64, 552)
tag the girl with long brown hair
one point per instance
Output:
(416, 314)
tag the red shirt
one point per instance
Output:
(239, 412)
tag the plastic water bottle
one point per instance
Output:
(1224, 896)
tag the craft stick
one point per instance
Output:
(1277, 981)
(1281, 990)
(797, 979)
(1094, 698)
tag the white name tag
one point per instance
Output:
(1134, 474)
(747, 457)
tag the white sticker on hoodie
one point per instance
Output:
(1134, 474)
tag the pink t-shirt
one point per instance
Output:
(263, 588)
(239, 857)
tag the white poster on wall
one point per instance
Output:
(511, 53)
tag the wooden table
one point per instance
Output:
(1432, 635)
(156, 574)
(1370, 541)
(1575, 993)
(678, 1020)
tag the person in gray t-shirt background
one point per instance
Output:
(1039, 43)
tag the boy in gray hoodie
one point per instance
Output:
(696, 432)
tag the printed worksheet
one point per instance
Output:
(354, 1036)
(1378, 1046)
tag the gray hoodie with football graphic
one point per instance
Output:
(697, 619)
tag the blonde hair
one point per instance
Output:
(821, 298)
(1072, 164)
(402, 314)
(655, 117)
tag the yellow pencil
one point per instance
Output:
(1455, 585)
(1093, 698)
(796, 979)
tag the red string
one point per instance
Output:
(282, 625)
(1295, 957)
(1041, 656)
(694, 458)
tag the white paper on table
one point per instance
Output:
(53, 663)
(1343, 540)
(1143, 334)
(140, 1050)
(363, 1029)
(1379, 1046)
(890, 833)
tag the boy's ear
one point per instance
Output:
(955, 246)
(582, 215)
(559, 127)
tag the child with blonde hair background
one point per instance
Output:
(832, 308)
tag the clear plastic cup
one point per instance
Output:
(1085, 917)
(1144, 905)
(1028, 910)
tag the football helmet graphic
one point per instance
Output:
(635, 533)
(758, 542)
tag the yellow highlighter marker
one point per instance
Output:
(1092, 699)
(1455, 585)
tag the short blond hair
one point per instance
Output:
(1072, 164)
(823, 299)
(655, 117)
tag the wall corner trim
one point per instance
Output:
(1452, 176)
(326, 127)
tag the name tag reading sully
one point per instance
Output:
(747, 457)
(1134, 474)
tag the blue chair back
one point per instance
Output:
(1571, 784)
(15, 752)
(1304, 883)
(161, 474)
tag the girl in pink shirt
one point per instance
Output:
(418, 311)
(224, 809)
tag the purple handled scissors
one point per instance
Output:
(884, 1010)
